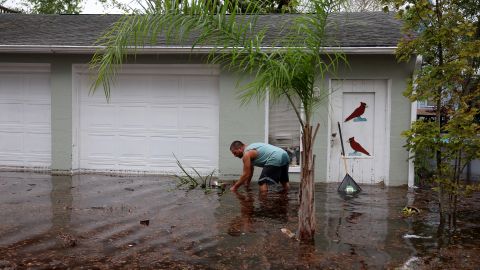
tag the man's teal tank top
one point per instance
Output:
(268, 155)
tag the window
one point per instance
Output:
(284, 129)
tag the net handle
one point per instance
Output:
(343, 149)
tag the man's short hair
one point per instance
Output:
(236, 145)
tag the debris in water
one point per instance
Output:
(145, 222)
(411, 263)
(67, 240)
(129, 189)
(410, 210)
(289, 233)
(408, 236)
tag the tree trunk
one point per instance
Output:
(306, 212)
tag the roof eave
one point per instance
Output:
(62, 49)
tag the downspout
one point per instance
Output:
(413, 118)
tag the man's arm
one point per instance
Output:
(247, 170)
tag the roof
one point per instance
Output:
(368, 31)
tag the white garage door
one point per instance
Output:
(25, 99)
(155, 111)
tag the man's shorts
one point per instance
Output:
(272, 175)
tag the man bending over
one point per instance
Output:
(272, 159)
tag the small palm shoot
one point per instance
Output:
(193, 181)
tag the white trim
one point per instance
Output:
(173, 49)
(75, 115)
(413, 118)
(24, 67)
(388, 131)
(267, 115)
(329, 128)
(292, 169)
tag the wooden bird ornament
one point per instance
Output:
(357, 112)
(357, 147)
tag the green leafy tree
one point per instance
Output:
(446, 34)
(56, 6)
(288, 67)
(59, 6)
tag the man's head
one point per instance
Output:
(237, 148)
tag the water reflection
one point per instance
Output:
(268, 206)
(192, 229)
(61, 200)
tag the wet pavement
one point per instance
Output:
(128, 222)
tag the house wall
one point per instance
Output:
(237, 122)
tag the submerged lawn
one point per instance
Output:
(94, 221)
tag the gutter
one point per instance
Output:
(66, 49)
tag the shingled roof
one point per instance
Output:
(44, 33)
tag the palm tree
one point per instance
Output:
(285, 68)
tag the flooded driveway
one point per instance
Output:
(100, 222)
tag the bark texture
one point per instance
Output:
(306, 212)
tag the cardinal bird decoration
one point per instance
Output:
(357, 113)
(357, 147)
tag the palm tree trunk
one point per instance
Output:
(306, 212)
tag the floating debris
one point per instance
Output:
(411, 263)
(145, 222)
(414, 236)
(67, 240)
(287, 232)
(410, 210)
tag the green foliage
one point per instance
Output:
(192, 182)
(62, 6)
(54, 6)
(408, 211)
(446, 33)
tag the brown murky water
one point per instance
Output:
(94, 222)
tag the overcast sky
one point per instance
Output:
(89, 6)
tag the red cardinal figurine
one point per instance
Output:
(358, 111)
(357, 147)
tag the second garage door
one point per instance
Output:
(155, 111)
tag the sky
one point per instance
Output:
(89, 6)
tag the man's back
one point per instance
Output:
(268, 155)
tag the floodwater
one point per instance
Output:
(129, 222)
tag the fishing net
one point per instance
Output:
(349, 186)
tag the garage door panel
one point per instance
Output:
(12, 113)
(38, 142)
(38, 115)
(11, 142)
(98, 116)
(132, 116)
(12, 86)
(25, 115)
(163, 147)
(132, 147)
(199, 119)
(200, 91)
(126, 86)
(164, 117)
(150, 116)
(165, 89)
(98, 145)
(196, 147)
(37, 86)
